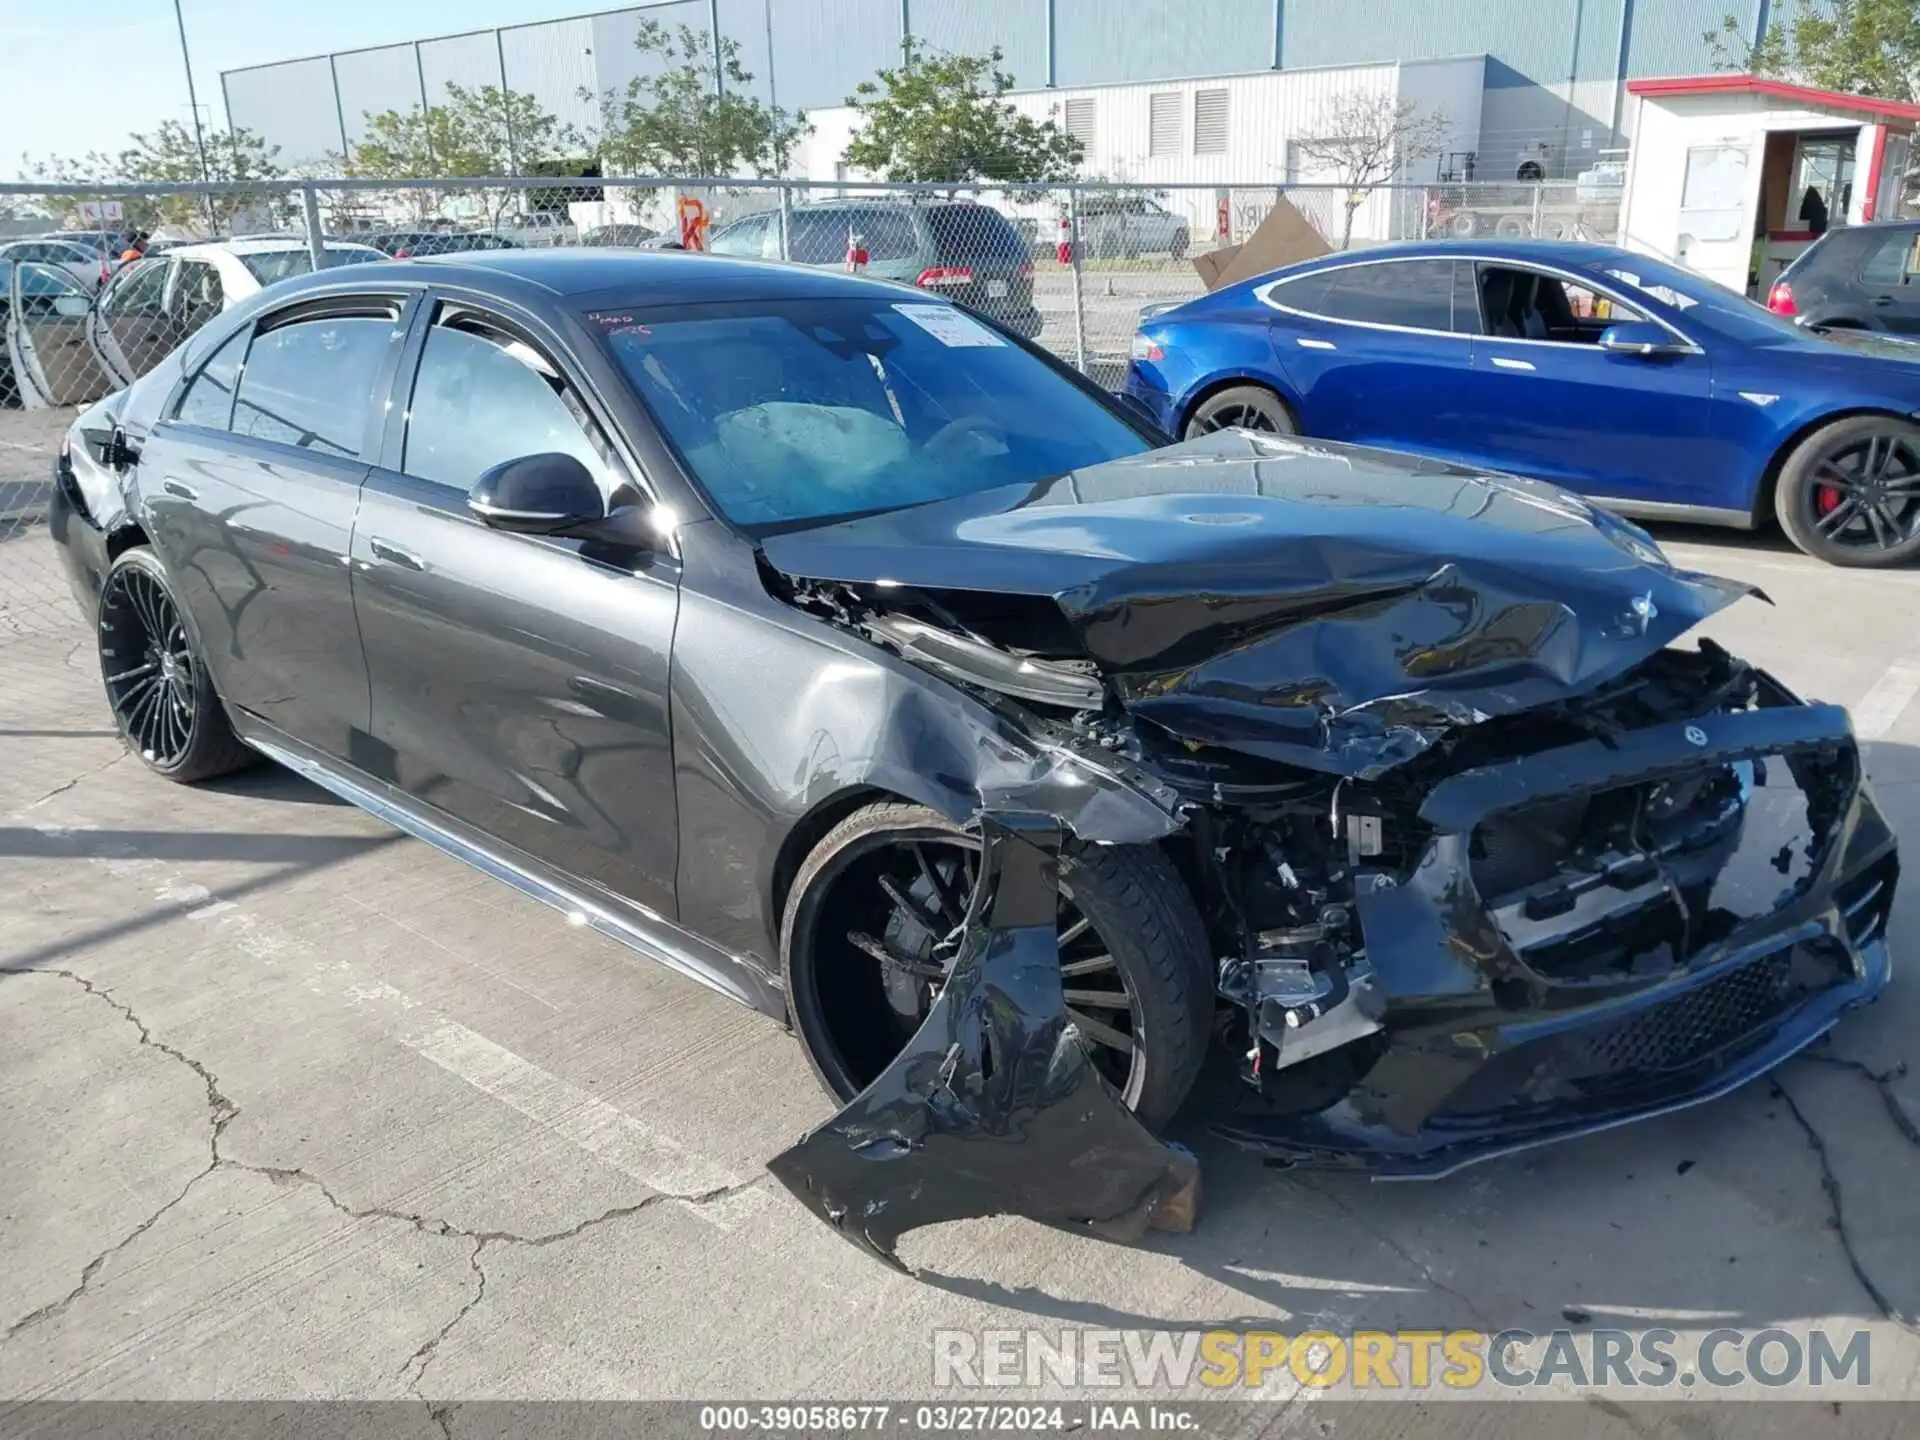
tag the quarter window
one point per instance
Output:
(744, 238)
(483, 396)
(208, 399)
(309, 383)
(198, 294)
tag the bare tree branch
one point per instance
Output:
(1365, 138)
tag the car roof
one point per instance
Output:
(653, 277)
(207, 249)
(1564, 254)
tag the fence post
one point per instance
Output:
(1079, 300)
(786, 222)
(316, 239)
(1539, 189)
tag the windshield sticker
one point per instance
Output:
(950, 327)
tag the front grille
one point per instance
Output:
(1683, 1030)
(1709, 1023)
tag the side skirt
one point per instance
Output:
(1688, 514)
(619, 919)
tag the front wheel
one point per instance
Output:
(875, 918)
(1849, 493)
(162, 697)
(1242, 407)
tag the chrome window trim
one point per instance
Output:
(1264, 294)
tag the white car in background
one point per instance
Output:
(85, 261)
(69, 344)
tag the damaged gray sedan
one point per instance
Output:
(843, 652)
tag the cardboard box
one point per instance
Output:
(1282, 238)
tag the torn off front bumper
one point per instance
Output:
(994, 1106)
(1494, 1043)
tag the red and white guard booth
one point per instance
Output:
(1734, 175)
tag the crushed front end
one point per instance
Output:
(1551, 923)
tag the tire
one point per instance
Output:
(1866, 470)
(1137, 910)
(1509, 227)
(1179, 246)
(162, 697)
(1463, 225)
(1246, 407)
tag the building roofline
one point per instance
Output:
(1776, 89)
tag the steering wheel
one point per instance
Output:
(948, 434)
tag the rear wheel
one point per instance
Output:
(875, 919)
(162, 697)
(1849, 493)
(1242, 407)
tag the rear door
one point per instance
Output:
(252, 485)
(519, 681)
(1887, 280)
(1378, 353)
(49, 347)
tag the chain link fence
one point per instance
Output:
(98, 287)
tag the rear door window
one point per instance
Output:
(818, 237)
(309, 383)
(886, 234)
(1414, 294)
(1892, 260)
(745, 237)
(138, 290)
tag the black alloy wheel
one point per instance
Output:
(162, 699)
(877, 916)
(1242, 407)
(1850, 493)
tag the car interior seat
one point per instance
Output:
(1496, 301)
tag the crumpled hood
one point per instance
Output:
(1325, 605)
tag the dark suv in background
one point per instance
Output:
(1859, 277)
(966, 252)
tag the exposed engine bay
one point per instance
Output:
(1484, 857)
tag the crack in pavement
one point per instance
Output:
(1386, 1239)
(222, 1112)
(65, 785)
(1830, 1183)
(1881, 1080)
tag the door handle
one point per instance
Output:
(180, 489)
(394, 555)
(1882, 300)
(1502, 362)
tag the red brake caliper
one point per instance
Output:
(1826, 499)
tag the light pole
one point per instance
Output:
(193, 103)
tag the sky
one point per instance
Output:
(75, 78)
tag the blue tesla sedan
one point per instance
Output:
(1637, 383)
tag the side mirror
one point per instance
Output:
(537, 495)
(1641, 339)
(72, 307)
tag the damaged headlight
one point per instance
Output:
(1024, 677)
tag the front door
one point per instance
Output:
(48, 344)
(519, 681)
(131, 327)
(1550, 403)
(252, 494)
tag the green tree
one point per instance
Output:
(1863, 47)
(169, 154)
(939, 117)
(480, 131)
(680, 119)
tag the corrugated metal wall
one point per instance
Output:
(973, 27)
(554, 62)
(821, 49)
(1159, 39)
(372, 81)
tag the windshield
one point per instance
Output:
(271, 265)
(1693, 296)
(795, 412)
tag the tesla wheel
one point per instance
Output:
(1242, 407)
(1849, 493)
(162, 697)
(875, 918)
